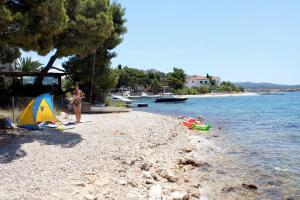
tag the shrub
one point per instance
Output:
(108, 101)
(204, 89)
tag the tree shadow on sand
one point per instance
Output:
(10, 143)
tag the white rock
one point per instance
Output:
(81, 184)
(90, 197)
(147, 174)
(178, 195)
(155, 192)
(122, 182)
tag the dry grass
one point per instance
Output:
(8, 113)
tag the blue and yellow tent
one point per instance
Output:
(38, 110)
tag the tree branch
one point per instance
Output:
(44, 71)
(61, 70)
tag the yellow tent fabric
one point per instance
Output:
(44, 113)
(26, 116)
(38, 110)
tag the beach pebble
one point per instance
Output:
(186, 149)
(229, 189)
(90, 197)
(145, 167)
(250, 186)
(132, 162)
(167, 175)
(192, 162)
(80, 184)
(155, 192)
(154, 176)
(98, 164)
(177, 195)
(290, 198)
(133, 183)
(122, 182)
(196, 195)
(149, 181)
(220, 171)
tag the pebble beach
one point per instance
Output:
(133, 155)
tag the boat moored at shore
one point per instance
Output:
(169, 97)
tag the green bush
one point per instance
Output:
(108, 101)
(226, 87)
(119, 104)
(204, 89)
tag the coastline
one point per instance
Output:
(203, 95)
(222, 95)
(118, 156)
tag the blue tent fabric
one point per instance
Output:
(36, 105)
(37, 102)
(48, 99)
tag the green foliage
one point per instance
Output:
(80, 71)
(105, 78)
(204, 89)
(156, 86)
(8, 54)
(174, 83)
(225, 87)
(241, 89)
(67, 86)
(176, 79)
(187, 91)
(32, 25)
(70, 27)
(119, 104)
(131, 79)
(229, 87)
(28, 65)
(194, 90)
(108, 101)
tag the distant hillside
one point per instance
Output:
(250, 85)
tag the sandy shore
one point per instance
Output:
(132, 155)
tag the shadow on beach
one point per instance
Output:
(11, 142)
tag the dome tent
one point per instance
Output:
(38, 110)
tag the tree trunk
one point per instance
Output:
(44, 71)
(93, 74)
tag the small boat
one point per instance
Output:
(138, 105)
(201, 127)
(189, 122)
(169, 97)
(116, 98)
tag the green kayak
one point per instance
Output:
(201, 127)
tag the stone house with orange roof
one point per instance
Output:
(198, 81)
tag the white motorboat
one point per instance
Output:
(116, 98)
(169, 97)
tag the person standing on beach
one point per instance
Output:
(77, 96)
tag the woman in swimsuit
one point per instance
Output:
(77, 96)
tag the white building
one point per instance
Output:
(197, 81)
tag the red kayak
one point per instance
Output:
(189, 122)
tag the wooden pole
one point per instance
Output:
(93, 73)
(13, 108)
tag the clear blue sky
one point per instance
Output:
(249, 40)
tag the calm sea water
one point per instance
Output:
(262, 131)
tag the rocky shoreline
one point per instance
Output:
(132, 155)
